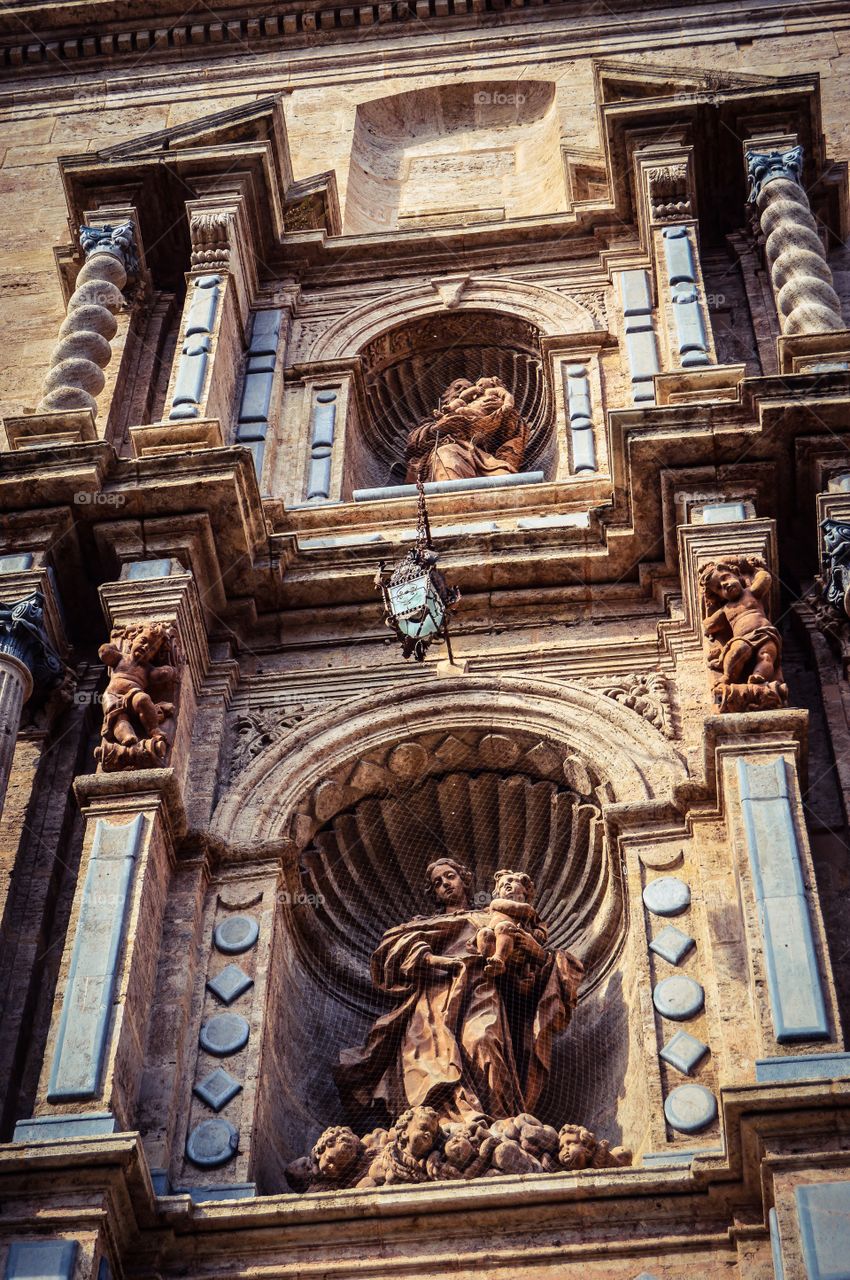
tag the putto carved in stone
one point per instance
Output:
(139, 701)
(420, 1147)
(744, 646)
(476, 431)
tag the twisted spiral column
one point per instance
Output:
(799, 274)
(83, 351)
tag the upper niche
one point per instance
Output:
(455, 154)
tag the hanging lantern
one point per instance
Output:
(416, 596)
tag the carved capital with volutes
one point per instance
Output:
(23, 636)
(836, 565)
(765, 166)
(119, 241)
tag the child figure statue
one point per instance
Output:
(138, 698)
(515, 935)
(745, 646)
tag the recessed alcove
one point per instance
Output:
(407, 368)
(489, 799)
(455, 154)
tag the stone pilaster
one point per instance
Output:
(799, 273)
(76, 374)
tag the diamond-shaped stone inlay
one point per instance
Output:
(672, 944)
(683, 1051)
(217, 1088)
(231, 983)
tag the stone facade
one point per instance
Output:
(576, 277)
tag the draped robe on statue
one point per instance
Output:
(459, 1041)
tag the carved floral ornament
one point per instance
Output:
(210, 233)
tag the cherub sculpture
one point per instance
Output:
(338, 1159)
(514, 933)
(410, 1151)
(476, 431)
(138, 703)
(745, 646)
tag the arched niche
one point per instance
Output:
(504, 772)
(455, 154)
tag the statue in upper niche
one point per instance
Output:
(476, 431)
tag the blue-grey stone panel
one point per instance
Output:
(246, 431)
(16, 563)
(191, 374)
(584, 451)
(678, 997)
(260, 364)
(55, 1128)
(88, 1005)
(803, 1066)
(236, 934)
(775, 1246)
(230, 984)
(265, 332)
(41, 1260)
(666, 896)
(690, 329)
(794, 983)
(643, 355)
(690, 1108)
(324, 422)
(824, 1212)
(217, 1088)
(679, 256)
(672, 944)
(256, 397)
(319, 476)
(212, 1143)
(232, 1191)
(224, 1033)
(720, 512)
(139, 570)
(637, 299)
(684, 1052)
(184, 411)
(201, 317)
(448, 486)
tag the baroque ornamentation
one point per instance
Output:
(799, 273)
(420, 1147)
(139, 703)
(648, 695)
(836, 554)
(668, 191)
(76, 375)
(476, 431)
(256, 729)
(449, 1044)
(23, 636)
(210, 235)
(745, 648)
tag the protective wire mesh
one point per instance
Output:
(364, 872)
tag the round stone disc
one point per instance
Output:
(212, 1142)
(678, 997)
(236, 934)
(666, 896)
(224, 1033)
(690, 1108)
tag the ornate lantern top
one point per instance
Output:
(416, 596)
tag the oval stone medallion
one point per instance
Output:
(678, 997)
(666, 896)
(224, 1033)
(212, 1142)
(690, 1108)
(236, 934)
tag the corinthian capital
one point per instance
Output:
(120, 241)
(23, 636)
(764, 166)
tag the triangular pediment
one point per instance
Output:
(623, 82)
(257, 121)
